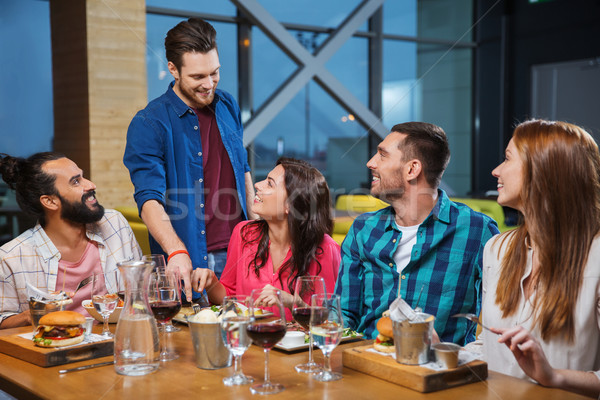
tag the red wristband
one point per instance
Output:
(177, 252)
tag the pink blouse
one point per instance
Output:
(238, 279)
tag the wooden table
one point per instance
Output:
(181, 379)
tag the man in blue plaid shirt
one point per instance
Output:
(422, 247)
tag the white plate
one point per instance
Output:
(304, 346)
(187, 311)
(89, 307)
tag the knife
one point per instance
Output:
(64, 371)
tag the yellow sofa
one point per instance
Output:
(353, 205)
(137, 226)
(359, 204)
(489, 207)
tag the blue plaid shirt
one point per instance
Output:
(445, 262)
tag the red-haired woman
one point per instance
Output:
(541, 281)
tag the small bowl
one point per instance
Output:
(89, 307)
(446, 354)
(292, 339)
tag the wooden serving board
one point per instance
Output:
(24, 349)
(412, 376)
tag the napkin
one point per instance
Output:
(36, 294)
(401, 311)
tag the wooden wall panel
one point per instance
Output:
(69, 80)
(113, 78)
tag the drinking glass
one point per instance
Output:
(326, 325)
(165, 302)
(236, 319)
(159, 263)
(305, 287)
(103, 301)
(38, 309)
(266, 331)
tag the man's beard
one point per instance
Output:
(190, 95)
(79, 212)
(395, 191)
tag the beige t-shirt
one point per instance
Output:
(582, 355)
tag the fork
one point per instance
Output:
(473, 318)
(82, 284)
(202, 302)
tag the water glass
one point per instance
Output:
(326, 325)
(236, 319)
(104, 302)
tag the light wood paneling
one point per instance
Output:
(99, 72)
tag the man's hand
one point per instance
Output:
(435, 338)
(183, 264)
(159, 225)
(14, 321)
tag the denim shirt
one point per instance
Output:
(164, 158)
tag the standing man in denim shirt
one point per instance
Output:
(186, 158)
(423, 247)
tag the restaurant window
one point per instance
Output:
(429, 79)
(426, 76)
(313, 126)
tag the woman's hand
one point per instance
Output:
(267, 297)
(529, 355)
(203, 278)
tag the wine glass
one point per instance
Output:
(159, 263)
(165, 303)
(236, 318)
(326, 325)
(103, 301)
(305, 287)
(266, 332)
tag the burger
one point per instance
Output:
(59, 328)
(384, 342)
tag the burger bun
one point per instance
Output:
(384, 349)
(384, 327)
(62, 318)
(384, 342)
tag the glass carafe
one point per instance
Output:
(136, 338)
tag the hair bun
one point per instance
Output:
(9, 169)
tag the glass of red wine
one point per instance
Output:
(165, 303)
(326, 326)
(160, 264)
(305, 287)
(266, 329)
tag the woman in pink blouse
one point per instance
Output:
(290, 239)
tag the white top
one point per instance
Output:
(582, 355)
(407, 241)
